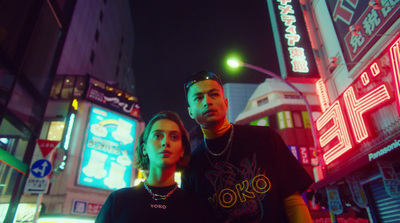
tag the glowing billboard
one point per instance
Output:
(375, 88)
(108, 150)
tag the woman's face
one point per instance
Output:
(164, 144)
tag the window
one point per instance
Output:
(56, 88)
(297, 119)
(262, 101)
(80, 86)
(68, 86)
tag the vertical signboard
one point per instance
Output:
(358, 26)
(108, 150)
(334, 202)
(389, 177)
(294, 49)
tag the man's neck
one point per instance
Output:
(217, 130)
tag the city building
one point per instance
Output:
(237, 94)
(356, 45)
(68, 83)
(349, 51)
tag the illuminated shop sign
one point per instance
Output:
(108, 150)
(112, 100)
(392, 146)
(86, 208)
(372, 23)
(373, 89)
(305, 155)
(291, 36)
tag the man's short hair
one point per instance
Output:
(200, 76)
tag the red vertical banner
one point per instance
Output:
(304, 155)
(313, 156)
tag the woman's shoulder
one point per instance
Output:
(127, 191)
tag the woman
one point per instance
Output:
(163, 148)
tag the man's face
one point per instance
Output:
(207, 104)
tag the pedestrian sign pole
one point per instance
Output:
(41, 169)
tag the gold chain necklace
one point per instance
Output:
(226, 147)
(158, 197)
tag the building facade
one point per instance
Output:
(351, 50)
(356, 45)
(68, 78)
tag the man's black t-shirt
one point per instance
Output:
(137, 205)
(249, 182)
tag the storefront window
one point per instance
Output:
(80, 86)
(68, 87)
(13, 143)
(55, 92)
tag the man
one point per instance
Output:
(246, 172)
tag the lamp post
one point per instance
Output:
(237, 63)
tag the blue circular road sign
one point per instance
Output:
(41, 168)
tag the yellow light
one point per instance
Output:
(75, 104)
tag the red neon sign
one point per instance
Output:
(323, 96)
(338, 130)
(394, 53)
(356, 107)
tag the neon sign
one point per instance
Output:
(323, 96)
(293, 44)
(334, 134)
(297, 56)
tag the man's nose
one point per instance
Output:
(207, 101)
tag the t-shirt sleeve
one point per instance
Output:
(105, 213)
(291, 176)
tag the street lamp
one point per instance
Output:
(237, 63)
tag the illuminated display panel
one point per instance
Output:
(108, 150)
(357, 105)
(292, 33)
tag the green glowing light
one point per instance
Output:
(233, 63)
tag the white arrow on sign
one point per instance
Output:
(41, 170)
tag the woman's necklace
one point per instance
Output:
(226, 147)
(158, 197)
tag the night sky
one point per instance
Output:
(174, 39)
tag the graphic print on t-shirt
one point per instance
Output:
(239, 191)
